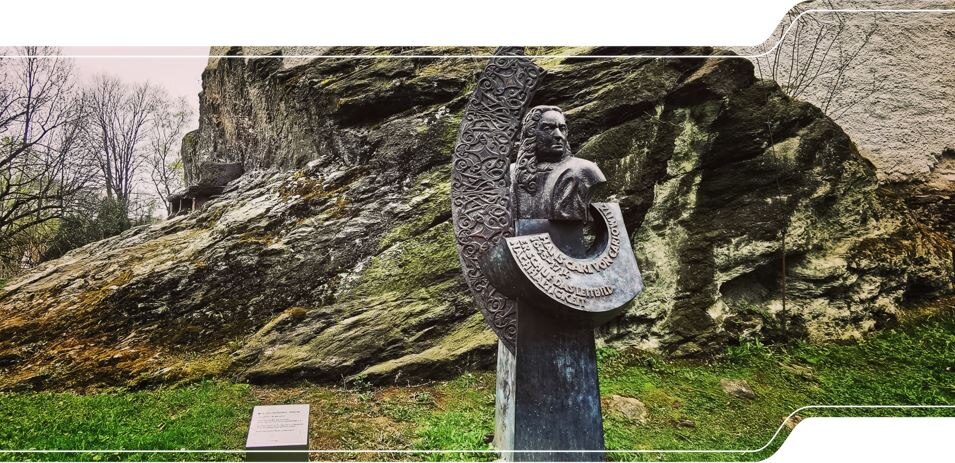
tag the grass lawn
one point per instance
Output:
(201, 416)
(687, 406)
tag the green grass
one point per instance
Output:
(464, 422)
(210, 415)
(911, 365)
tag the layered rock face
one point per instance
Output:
(333, 257)
(896, 97)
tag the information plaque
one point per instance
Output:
(275, 430)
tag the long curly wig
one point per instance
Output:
(527, 166)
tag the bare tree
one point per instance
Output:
(40, 166)
(170, 121)
(119, 118)
(62, 149)
(815, 52)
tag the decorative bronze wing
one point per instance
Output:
(480, 197)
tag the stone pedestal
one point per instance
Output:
(504, 403)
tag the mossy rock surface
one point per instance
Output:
(752, 215)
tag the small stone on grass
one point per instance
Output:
(685, 423)
(737, 388)
(627, 407)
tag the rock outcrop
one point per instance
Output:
(894, 93)
(932, 198)
(333, 257)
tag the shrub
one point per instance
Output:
(107, 217)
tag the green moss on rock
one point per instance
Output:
(430, 202)
(413, 264)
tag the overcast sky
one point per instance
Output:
(177, 69)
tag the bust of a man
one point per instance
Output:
(548, 182)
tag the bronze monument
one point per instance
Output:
(520, 229)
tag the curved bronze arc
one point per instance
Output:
(593, 288)
(480, 195)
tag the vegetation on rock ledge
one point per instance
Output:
(687, 409)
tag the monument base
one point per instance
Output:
(548, 397)
(504, 403)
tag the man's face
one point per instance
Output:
(551, 136)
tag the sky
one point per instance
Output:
(177, 69)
